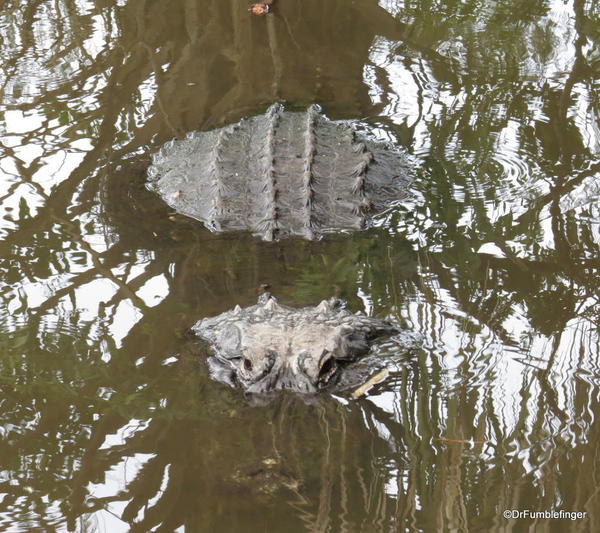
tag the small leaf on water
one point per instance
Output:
(260, 8)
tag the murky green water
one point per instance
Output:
(108, 419)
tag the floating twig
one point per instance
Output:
(364, 388)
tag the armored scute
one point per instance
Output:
(269, 346)
(280, 174)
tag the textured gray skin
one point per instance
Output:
(280, 174)
(269, 346)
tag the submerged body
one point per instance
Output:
(269, 346)
(280, 174)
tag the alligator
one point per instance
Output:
(268, 346)
(281, 174)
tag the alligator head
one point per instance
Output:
(269, 346)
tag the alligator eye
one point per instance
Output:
(247, 365)
(327, 369)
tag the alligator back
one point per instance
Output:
(280, 174)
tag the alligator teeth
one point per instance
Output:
(237, 310)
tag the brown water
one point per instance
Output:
(108, 419)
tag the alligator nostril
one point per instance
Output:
(247, 365)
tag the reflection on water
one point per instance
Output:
(108, 419)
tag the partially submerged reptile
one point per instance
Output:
(269, 346)
(280, 174)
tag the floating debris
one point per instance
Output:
(367, 385)
(261, 8)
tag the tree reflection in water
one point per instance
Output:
(109, 420)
